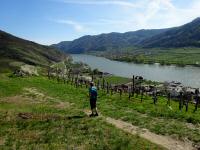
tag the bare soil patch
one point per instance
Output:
(165, 141)
(2, 141)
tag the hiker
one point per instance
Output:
(93, 99)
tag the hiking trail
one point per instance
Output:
(165, 141)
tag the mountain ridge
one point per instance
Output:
(187, 35)
(107, 41)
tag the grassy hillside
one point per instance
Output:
(36, 113)
(50, 114)
(15, 51)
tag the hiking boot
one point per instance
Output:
(91, 115)
(96, 115)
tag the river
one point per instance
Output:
(188, 76)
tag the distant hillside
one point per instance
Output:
(15, 51)
(187, 35)
(109, 41)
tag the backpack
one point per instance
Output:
(93, 92)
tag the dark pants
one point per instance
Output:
(93, 103)
(197, 103)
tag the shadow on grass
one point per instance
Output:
(75, 117)
(48, 117)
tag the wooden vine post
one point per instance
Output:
(107, 88)
(196, 99)
(168, 98)
(181, 101)
(63, 76)
(103, 84)
(98, 84)
(142, 94)
(155, 96)
(120, 93)
(49, 72)
(189, 98)
(133, 85)
(57, 74)
(111, 88)
(72, 79)
(129, 92)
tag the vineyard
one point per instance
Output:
(45, 105)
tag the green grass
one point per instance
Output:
(112, 79)
(51, 127)
(159, 119)
(67, 129)
(117, 80)
(177, 56)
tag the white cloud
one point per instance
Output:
(77, 26)
(152, 10)
(146, 14)
(162, 14)
(101, 2)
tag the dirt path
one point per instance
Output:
(165, 141)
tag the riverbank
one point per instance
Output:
(172, 56)
(188, 75)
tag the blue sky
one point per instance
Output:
(52, 21)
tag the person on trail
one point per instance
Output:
(93, 99)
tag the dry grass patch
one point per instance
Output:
(2, 141)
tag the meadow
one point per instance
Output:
(171, 56)
(37, 113)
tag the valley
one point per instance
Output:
(74, 77)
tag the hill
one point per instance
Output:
(109, 41)
(187, 35)
(15, 51)
(37, 113)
